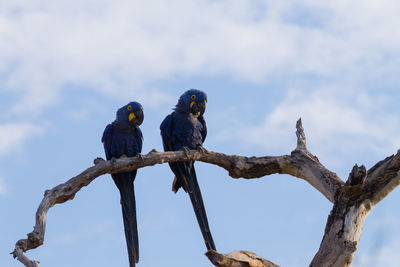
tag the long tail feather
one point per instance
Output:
(198, 206)
(126, 188)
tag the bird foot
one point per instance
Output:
(201, 149)
(97, 160)
(123, 156)
(185, 150)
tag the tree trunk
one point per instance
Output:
(342, 234)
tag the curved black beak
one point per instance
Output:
(199, 107)
(137, 118)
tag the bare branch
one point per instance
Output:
(306, 166)
(353, 203)
(238, 258)
(382, 179)
(301, 137)
(301, 163)
(298, 164)
(18, 253)
(357, 175)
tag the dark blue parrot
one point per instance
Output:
(185, 128)
(123, 138)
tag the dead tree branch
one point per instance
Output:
(352, 201)
(238, 258)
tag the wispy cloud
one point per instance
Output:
(387, 255)
(340, 123)
(13, 135)
(110, 46)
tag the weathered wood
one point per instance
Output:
(18, 253)
(352, 200)
(382, 179)
(357, 175)
(342, 233)
(238, 258)
(353, 203)
(298, 164)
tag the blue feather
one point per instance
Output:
(186, 127)
(122, 137)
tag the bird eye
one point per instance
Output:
(193, 97)
(129, 107)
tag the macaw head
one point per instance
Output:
(192, 101)
(131, 114)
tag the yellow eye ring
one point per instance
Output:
(129, 108)
(193, 97)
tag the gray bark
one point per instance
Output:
(352, 200)
(238, 258)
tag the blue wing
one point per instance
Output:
(166, 131)
(203, 130)
(185, 175)
(139, 139)
(107, 140)
(166, 134)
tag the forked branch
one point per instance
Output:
(300, 163)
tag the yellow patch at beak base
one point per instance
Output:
(131, 116)
(191, 104)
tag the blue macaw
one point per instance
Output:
(123, 137)
(185, 128)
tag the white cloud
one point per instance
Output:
(387, 255)
(13, 135)
(340, 124)
(111, 46)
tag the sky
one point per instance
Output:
(67, 66)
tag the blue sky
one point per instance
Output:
(65, 68)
